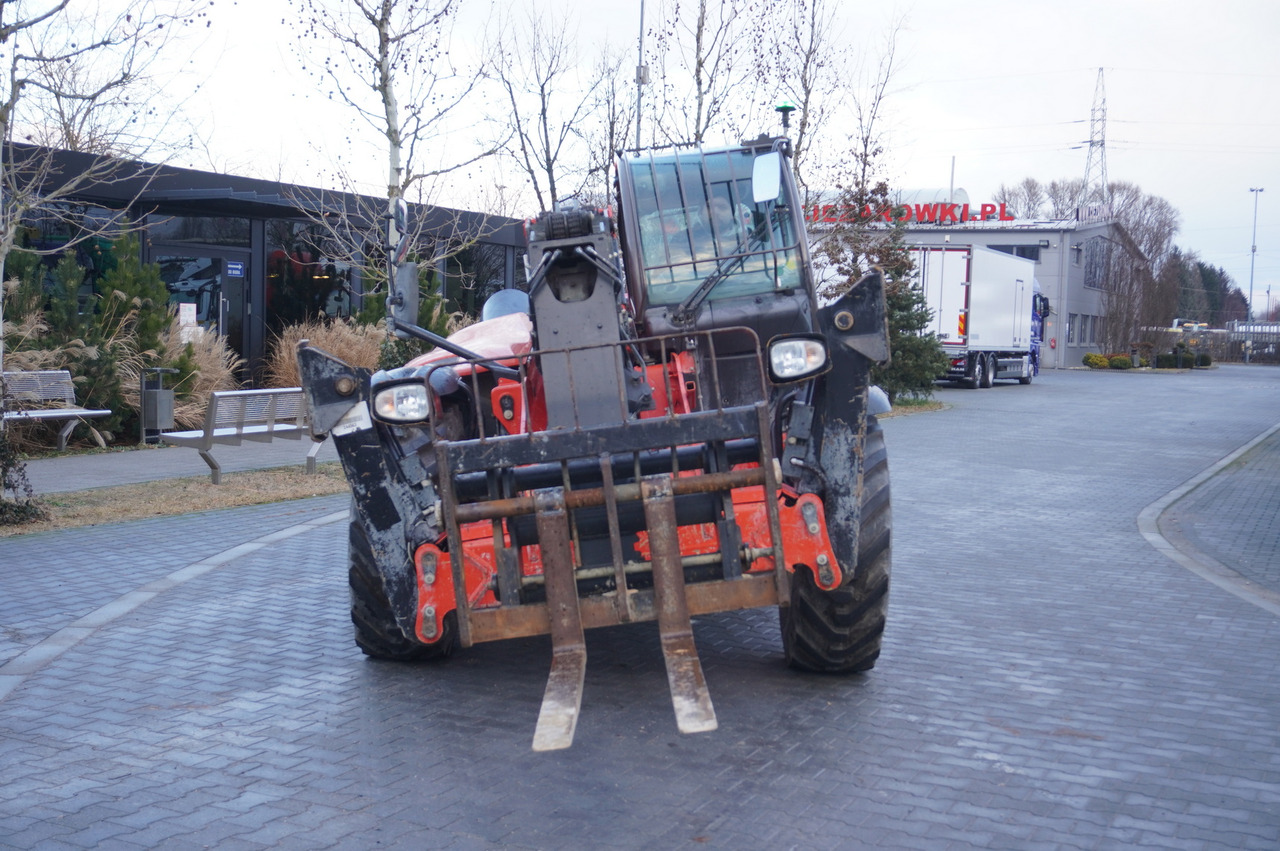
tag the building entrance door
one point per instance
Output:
(215, 282)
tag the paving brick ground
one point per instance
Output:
(1049, 679)
(1247, 492)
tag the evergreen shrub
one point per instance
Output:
(1093, 360)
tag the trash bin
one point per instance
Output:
(1133, 353)
(157, 404)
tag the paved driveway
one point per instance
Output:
(1049, 679)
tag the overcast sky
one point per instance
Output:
(1005, 87)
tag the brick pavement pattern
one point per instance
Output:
(1250, 544)
(1048, 680)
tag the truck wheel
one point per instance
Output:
(839, 631)
(979, 377)
(376, 631)
(989, 376)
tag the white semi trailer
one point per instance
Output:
(986, 312)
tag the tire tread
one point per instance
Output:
(840, 631)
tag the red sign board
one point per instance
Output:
(940, 214)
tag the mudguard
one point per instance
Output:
(857, 333)
(337, 394)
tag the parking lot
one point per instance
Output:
(1050, 679)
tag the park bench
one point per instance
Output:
(234, 416)
(45, 394)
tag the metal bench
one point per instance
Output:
(45, 394)
(234, 416)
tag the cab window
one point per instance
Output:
(697, 219)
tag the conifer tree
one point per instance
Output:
(144, 297)
(917, 359)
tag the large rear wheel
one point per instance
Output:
(376, 631)
(978, 378)
(839, 631)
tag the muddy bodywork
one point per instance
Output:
(626, 451)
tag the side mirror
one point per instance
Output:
(402, 303)
(766, 177)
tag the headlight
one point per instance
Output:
(402, 403)
(794, 358)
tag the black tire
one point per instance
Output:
(979, 376)
(567, 223)
(1031, 371)
(840, 631)
(376, 632)
(989, 377)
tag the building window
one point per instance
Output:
(473, 274)
(1097, 261)
(50, 229)
(206, 230)
(303, 281)
(1092, 325)
(1030, 252)
(1072, 318)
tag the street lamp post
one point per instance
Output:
(642, 75)
(1253, 254)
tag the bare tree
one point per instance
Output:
(87, 106)
(1151, 221)
(547, 106)
(868, 106)
(847, 249)
(72, 79)
(608, 129)
(389, 61)
(1024, 200)
(1063, 196)
(1128, 296)
(703, 60)
(806, 59)
(1137, 293)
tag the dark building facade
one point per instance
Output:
(253, 256)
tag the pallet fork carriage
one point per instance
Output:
(622, 447)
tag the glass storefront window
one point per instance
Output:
(207, 230)
(213, 282)
(472, 275)
(302, 282)
(83, 231)
(194, 280)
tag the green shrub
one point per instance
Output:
(104, 331)
(1120, 362)
(1204, 359)
(1166, 361)
(1093, 360)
